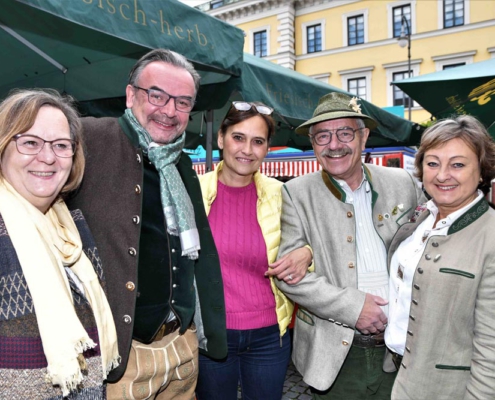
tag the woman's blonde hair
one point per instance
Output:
(18, 113)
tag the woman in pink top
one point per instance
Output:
(243, 208)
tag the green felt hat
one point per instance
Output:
(334, 106)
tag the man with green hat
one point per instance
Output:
(347, 214)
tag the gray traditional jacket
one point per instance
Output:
(450, 346)
(314, 213)
(111, 197)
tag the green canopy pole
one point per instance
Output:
(209, 140)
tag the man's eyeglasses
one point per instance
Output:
(245, 106)
(31, 145)
(160, 98)
(344, 135)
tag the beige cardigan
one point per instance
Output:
(268, 211)
(450, 346)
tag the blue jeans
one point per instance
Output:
(257, 358)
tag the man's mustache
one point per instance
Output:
(333, 153)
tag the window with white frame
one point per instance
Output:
(450, 66)
(395, 72)
(453, 13)
(399, 97)
(357, 86)
(216, 4)
(313, 39)
(358, 81)
(260, 46)
(355, 27)
(321, 77)
(453, 60)
(397, 14)
(355, 30)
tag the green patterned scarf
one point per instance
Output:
(177, 206)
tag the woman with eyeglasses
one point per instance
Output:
(243, 208)
(57, 335)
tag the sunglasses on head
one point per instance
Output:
(244, 106)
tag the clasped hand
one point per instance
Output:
(372, 319)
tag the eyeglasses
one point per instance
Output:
(245, 106)
(160, 98)
(31, 145)
(344, 135)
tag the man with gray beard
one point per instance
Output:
(347, 215)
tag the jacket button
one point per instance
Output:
(416, 286)
(428, 257)
(174, 268)
(408, 349)
(137, 189)
(410, 333)
(415, 302)
(138, 158)
(420, 270)
(173, 250)
(130, 286)
(135, 219)
(132, 251)
(351, 265)
(435, 244)
(413, 318)
(403, 366)
(127, 319)
(349, 214)
(437, 257)
(350, 239)
(345, 342)
(174, 285)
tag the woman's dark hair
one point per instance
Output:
(235, 116)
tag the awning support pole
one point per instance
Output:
(33, 47)
(209, 140)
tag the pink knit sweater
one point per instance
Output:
(249, 300)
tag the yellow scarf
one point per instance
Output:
(45, 244)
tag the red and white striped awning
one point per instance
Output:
(285, 168)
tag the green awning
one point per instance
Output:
(294, 97)
(87, 47)
(469, 89)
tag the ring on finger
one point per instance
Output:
(289, 277)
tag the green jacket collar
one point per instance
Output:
(471, 215)
(337, 191)
(466, 219)
(129, 132)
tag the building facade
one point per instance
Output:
(354, 44)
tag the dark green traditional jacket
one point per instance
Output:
(111, 197)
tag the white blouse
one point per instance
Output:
(402, 268)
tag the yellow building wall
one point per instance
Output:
(428, 41)
(381, 49)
